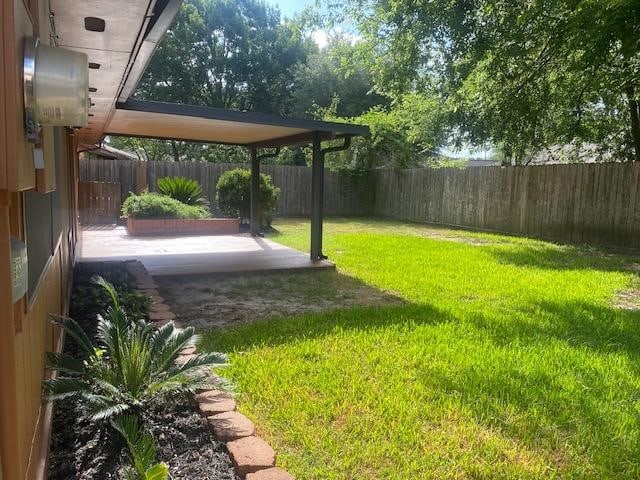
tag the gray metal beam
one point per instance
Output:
(255, 193)
(317, 190)
(317, 187)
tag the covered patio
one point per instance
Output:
(193, 254)
(263, 135)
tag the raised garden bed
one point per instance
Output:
(183, 226)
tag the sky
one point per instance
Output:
(289, 8)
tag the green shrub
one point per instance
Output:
(183, 189)
(233, 195)
(156, 205)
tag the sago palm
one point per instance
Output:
(142, 451)
(182, 189)
(132, 363)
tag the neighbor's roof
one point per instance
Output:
(216, 125)
(107, 151)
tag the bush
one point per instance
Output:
(156, 205)
(234, 195)
(182, 189)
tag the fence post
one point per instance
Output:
(255, 193)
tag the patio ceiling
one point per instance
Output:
(216, 125)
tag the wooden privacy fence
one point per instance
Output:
(344, 194)
(579, 203)
(99, 202)
(111, 171)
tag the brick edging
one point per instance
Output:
(252, 457)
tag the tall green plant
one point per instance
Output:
(234, 195)
(183, 189)
(132, 364)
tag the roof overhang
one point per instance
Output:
(117, 55)
(172, 121)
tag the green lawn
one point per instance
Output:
(508, 360)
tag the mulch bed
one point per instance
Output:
(83, 450)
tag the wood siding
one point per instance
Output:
(27, 333)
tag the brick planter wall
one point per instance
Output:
(183, 226)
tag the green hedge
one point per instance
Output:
(155, 205)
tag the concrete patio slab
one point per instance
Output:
(192, 254)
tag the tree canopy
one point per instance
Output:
(521, 75)
(235, 54)
(323, 82)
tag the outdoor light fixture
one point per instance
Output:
(56, 87)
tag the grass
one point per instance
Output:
(508, 360)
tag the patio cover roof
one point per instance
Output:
(216, 125)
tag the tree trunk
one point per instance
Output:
(175, 151)
(634, 111)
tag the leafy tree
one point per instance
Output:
(235, 54)
(522, 75)
(230, 54)
(334, 75)
(407, 134)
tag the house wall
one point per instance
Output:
(26, 333)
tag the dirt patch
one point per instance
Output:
(207, 301)
(628, 299)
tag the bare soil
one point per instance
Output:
(628, 299)
(218, 301)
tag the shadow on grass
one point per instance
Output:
(554, 257)
(567, 407)
(577, 324)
